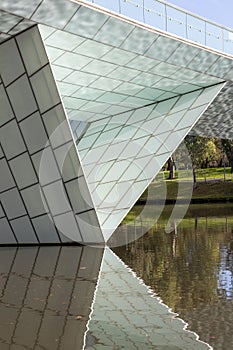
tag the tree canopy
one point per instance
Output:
(205, 152)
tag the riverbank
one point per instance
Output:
(203, 192)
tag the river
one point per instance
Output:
(191, 269)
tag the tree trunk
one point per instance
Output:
(231, 166)
(171, 168)
(194, 177)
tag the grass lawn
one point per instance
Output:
(215, 213)
(214, 187)
(201, 174)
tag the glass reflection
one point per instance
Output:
(111, 5)
(228, 41)
(49, 300)
(176, 21)
(155, 14)
(191, 269)
(214, 37)
(46, 296)
(132, 9)
(196, 30)
(127, 316)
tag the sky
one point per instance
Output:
(220, 11)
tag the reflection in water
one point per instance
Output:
(225, 279)
(47, 302)
(46, 294)
(126, 315)
(191, 269)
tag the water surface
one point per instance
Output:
(55, 298)
(191, 269)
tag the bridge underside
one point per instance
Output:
(90, 112)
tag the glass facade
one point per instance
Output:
(174, 20)
(121, 157)
(41, 174)
(90, 113)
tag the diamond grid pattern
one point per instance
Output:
(120, 163)
(34, 193)
(147, 313)
(132, 80)
(29, 293)
(66, 14)
(130, 100)
(218, 114)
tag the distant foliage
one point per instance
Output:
(205, 152)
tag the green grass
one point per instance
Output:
(203, 190)
(200, 211)
(201, 174)
(210, 185)
(214, 188)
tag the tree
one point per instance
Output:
(202, 151)
(228, 149)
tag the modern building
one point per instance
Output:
(94, 98)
